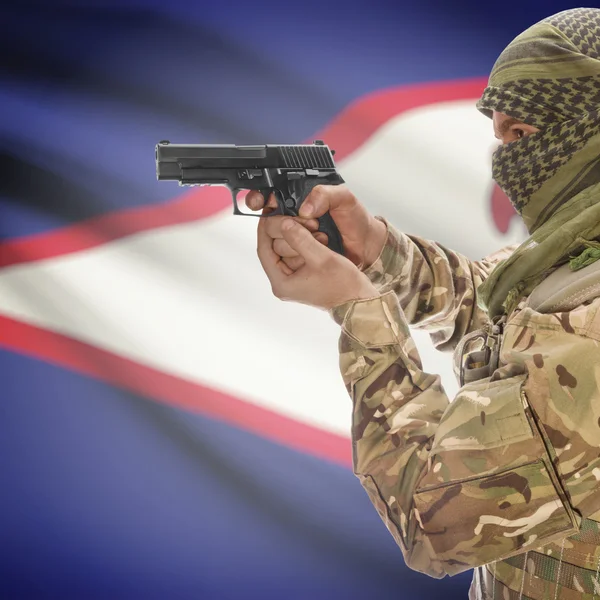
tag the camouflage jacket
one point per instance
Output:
(512, 462)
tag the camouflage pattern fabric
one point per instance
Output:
(442, 301)
(512, 464)
(553, 573)
(548, 77)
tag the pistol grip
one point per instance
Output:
(326, 223)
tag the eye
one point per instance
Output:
(519, 133)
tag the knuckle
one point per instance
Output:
(318, 192)
(346, 195)
(326, 262)
(342, 194)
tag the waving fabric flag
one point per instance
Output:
(169, 429)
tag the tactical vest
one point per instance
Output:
(567, 570)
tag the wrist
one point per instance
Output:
(375, 242)
(366, 292)
(341, 308)
(363, 290)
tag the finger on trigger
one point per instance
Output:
(272, 203)
(254, 200)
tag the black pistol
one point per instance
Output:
(288, 172)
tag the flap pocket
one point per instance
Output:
(475, 521)
(484, 414)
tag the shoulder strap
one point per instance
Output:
(564, 289)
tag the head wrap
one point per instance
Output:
(548, 77)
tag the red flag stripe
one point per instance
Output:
(156, 385)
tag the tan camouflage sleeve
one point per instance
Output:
(436, 287)
(501, 468)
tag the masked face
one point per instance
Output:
(530, 157)
(546, 80)
(509, 162)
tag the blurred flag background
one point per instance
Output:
(168, 429)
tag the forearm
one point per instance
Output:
(436, 287)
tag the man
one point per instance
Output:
(503, 479)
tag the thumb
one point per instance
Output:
(302, 241)
(321, 199)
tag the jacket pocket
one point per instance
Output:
(484, 414)
(475, 521)
(490, 490)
